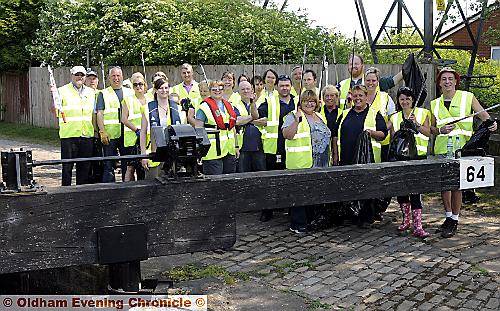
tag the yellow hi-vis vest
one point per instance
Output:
(226, 137)
(150, 95)
(299, 149)
(134, 116)
(179, 89)
(77, 111)
(421, 140)
(370, 124)
(345, 86)
(270, 137)
(380, 104)
(234, 98)
(112, 118)
(461, 106)
(323, 111)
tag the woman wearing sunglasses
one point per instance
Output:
(131, 118)
(217, 113)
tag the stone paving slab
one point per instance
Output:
(374, 269)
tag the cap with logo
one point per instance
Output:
(78, 69)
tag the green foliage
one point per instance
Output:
(18, 19)
(174, 31)
(193, 272)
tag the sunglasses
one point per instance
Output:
(79, 74)
(215, 89)
(138, 84)
(284, 78)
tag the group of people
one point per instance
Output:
(268, 122)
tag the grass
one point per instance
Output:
(480, 270)
(193, 272)
(28, 133)
(316, 304)
(283, 269)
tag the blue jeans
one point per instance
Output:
(109, 166)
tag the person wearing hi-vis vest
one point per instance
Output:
(229, 81)
(217, 113)
(150, 94)
(188, 90)
(331, 109)
(271, 113)
(310, 81)
(195, 103)
(96, 167)
(270, 82)
(381, 102)
(352, 123)
(307, 144)
(109, 121)
(161, 111)
(131, 119)
(412, 205)
(356, 66)
(453, 104)
(75, 125)
(252, 158)
(296, 76)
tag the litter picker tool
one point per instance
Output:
(204, 73)
(102, 73)
(253, 56)
(143, 66)
(302, 75)
(335, 63)
(56, 98)
(324, 68)
(473, 115)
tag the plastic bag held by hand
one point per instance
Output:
(364, 151)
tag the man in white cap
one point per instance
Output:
(96, 167)
(75, 125)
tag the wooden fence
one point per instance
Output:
(35, 111)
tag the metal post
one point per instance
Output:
(364, 25)
(473, 56)
(428, 29)
(400, 18)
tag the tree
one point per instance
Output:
(18, 18)
(171, 32)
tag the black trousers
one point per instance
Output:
(76, 147)
(413, 199)
(273, 164)
(96, 167)
(251, 161)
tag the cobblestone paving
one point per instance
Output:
(347, 267)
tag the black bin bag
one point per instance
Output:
(403, 146)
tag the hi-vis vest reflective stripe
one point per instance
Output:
(270, 141)
(112, 122)
(78, 112)
(380, 104)
(226, 136)
(134, 116)
(242, 109)
(299, 149)
(179, 89)
(461, 106)
(421, 140)
(370, 124)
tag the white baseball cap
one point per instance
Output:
(78, 69)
